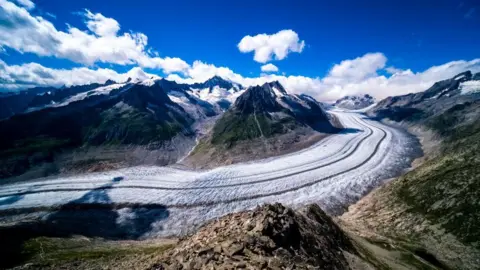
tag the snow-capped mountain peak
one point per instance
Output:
(355, 102)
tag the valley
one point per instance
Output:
(255, 152)
(334, 173)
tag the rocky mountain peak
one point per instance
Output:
(257, 99)
(271, 236)
(355, 102)
(275, 85)
(110, 82)
(464, 76)
(217, 81)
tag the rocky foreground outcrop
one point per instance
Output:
(269, 237)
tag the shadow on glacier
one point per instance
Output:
(348, 130)
(92, 215)
(96, 215)
(10, 200)
(328, 128)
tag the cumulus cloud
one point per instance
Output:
(357, 69)
(266, 46)
(269, 68)
(103, 43)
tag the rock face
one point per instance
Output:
(269, 237)
(355, 102)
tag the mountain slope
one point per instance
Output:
(127, 123)
(15, 103)
(137, 115)
(264, 121)
(436, 204)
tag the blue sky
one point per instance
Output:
(411, 35)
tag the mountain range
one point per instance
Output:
(153, 121)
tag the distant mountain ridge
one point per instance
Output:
(355, 102)
(274, 111)
(39, 97)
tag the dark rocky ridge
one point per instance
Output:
(257, 99)
(433, 101)
(134, 115)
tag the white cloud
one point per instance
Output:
(358, 69)
(26, 3)
(101, 25)
(25, 33)
(103, 42)
(265, 46)
(336, 84)
(269, 68)
(17, 77)
(350, 77)
(368, 81)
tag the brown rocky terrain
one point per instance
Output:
(270, 236)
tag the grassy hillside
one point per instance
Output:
(446, 189)
(233, 127)
(436, 205)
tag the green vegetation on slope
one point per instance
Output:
(446, 188)
(125, 126)
(233, 127)
(85, 253)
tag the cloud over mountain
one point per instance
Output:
(277, 45)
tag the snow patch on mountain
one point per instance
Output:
(470, 87)
(103, 90)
